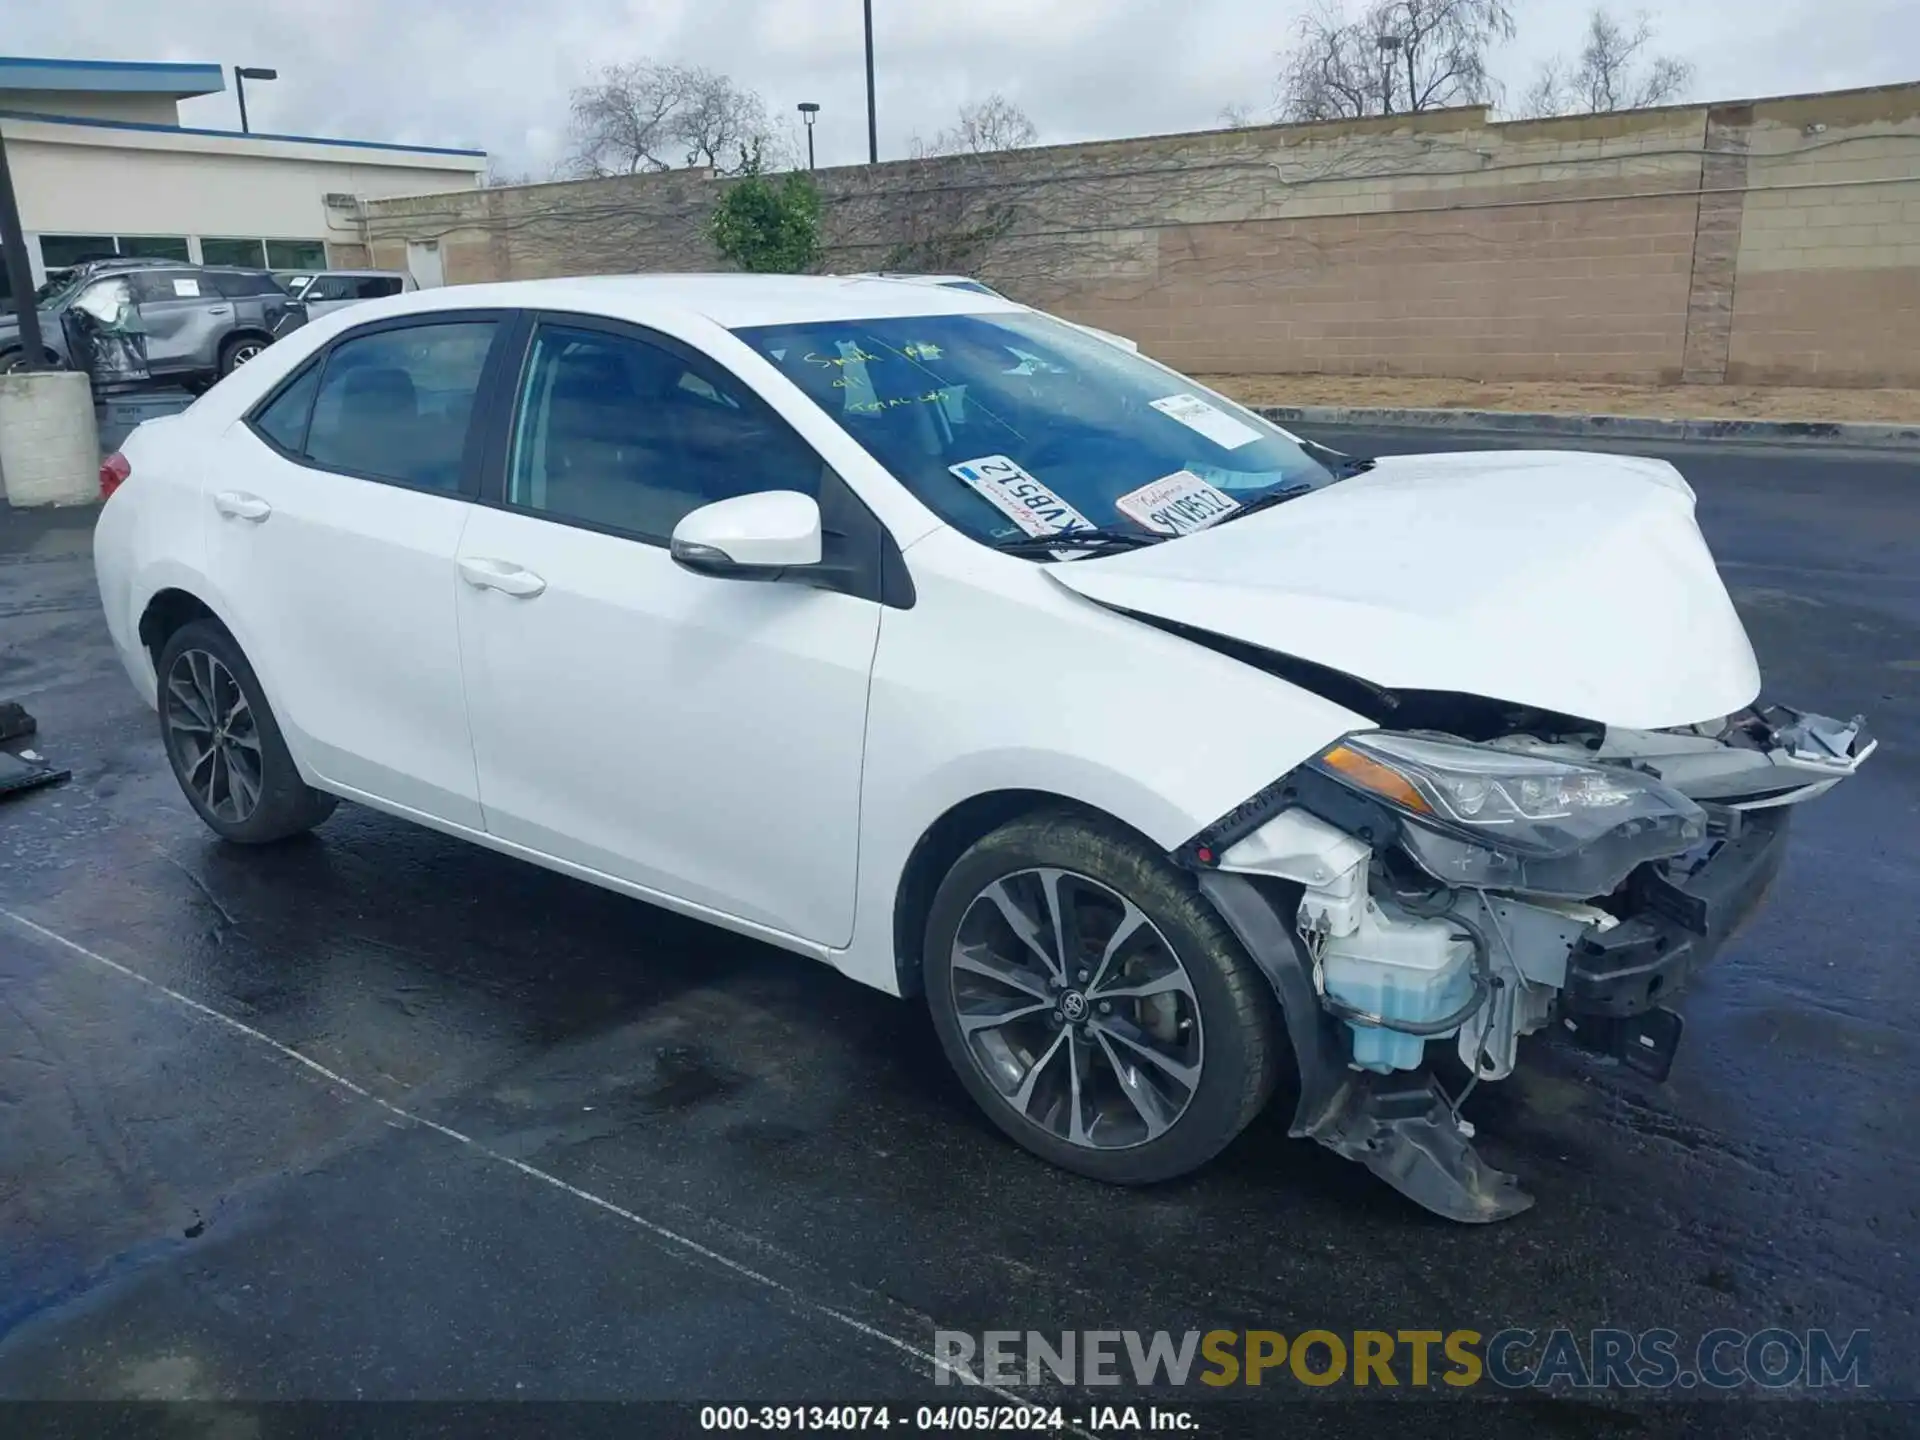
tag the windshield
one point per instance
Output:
(1014, 424)
(59, 287)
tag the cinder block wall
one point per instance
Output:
(1773, 241)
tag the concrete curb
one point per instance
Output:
(1604, 427)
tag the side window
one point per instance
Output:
(284, 420)
(239, 284)
(613, 431)
(394, 405)
(372, 287)
(150, 286)
(329, 287)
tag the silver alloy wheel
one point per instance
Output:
(211, 732)
(1076, 1009)
(246, 351)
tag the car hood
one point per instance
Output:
(1560, 580)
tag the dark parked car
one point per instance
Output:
(185, 324)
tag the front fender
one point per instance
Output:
(997, 680)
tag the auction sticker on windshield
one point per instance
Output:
(1020, 497)
(1197, 415)
(1176, 504)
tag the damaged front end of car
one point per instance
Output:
(1409, 889)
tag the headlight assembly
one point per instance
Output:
(1489, 819)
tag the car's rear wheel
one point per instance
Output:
(15, 359)
(1093, 1003)
(224, 743)
(238, 351)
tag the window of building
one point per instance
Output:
(618, 433)
(155, 247)
(61, 250)
(58, 251)
(215, 251)
(395, 404)
(296, 255)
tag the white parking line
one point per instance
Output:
(659, 1232)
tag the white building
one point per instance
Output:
(102, 166)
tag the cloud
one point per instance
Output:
(496, 73)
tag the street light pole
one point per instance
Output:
(13, 242)
(1389, 47)
(808, 110)
(873, 123)
(242, 74)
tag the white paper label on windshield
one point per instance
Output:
(1208, 420)
(1020, 497)
(1177, 504)
(186, 287)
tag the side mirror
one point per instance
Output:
(750, 537)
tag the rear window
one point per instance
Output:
(284, 421)
(238, 284)
(394, 404)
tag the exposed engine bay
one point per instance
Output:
(1436, 891)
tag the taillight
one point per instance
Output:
(114, 472)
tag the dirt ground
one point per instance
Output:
(1687, 402)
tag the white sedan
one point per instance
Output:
(924, 634)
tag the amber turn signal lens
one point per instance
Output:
(1370, 774)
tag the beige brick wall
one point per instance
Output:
(1775, 240)
(1829, 287)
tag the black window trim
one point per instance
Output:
(879, 574)
(478, 426)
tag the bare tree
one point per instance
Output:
(641, 116)
(1399, 56)
(1238, 116)
(1613, 72)
(723, 127)
(995, 123)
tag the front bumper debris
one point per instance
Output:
(1399, 1126)
(1674, 925)
(1675, 917)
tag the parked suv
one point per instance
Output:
(328, 290)
(192, 323)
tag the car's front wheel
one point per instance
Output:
(1093, 1003)
(224, 743)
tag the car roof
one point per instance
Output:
(369, 274)
(139, 262)
(733, 301)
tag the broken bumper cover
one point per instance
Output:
(1675, 925)
(1402, 1127)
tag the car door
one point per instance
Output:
(327, 293)
(334, 514)
(179, 310)
(698, 737)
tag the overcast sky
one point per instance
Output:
(495, 74)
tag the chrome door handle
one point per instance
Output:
(503, 576)
(239, 506)
(219, 310)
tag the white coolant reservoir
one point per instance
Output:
(1398, 966)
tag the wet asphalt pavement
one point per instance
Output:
(380, 1115)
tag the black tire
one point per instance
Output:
(239, 349)
(10, 360)
(1238, 1016)
(285, 805)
